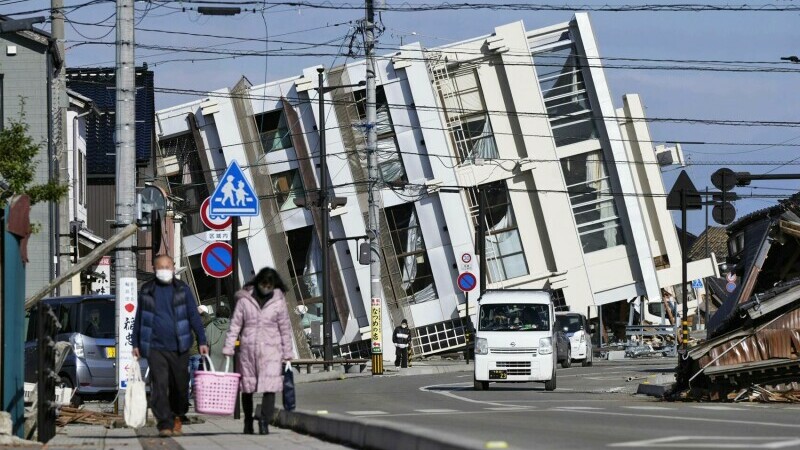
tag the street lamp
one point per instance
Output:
(322, 201)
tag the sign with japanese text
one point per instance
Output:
(377, 329)
(127, 304)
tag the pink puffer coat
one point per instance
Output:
(265, 341)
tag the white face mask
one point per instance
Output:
(164, 275)
(263, 290)
(404, 326)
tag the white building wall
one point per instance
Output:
(529, 164)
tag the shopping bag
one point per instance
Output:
(216, 392)
(288, 388)
(135, 397)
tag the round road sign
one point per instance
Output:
(213, 221)
(217, 260)
(467, 281)
(466, 258)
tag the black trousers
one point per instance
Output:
(401, 357)
(267, 406)
(169, 381)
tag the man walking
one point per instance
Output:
(401, 338)
(166, 316)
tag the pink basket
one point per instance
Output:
(215, 392)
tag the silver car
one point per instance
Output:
(88, 323)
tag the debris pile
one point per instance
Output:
(69, 415)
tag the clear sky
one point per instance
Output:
(666, 92)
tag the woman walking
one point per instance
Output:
(261, 323)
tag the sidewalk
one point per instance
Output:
(215, 433)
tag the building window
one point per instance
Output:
(466, 115)
(390, 164)
(505, 258)
(305, 262)
(559, 302)
(592, 201)
(82, 178)
(189, 184)
(274, 132)
(565, 96)
(409, 246)
(287, 186)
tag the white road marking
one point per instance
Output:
(717, 407)
(712, 442)
(454, 396)
(435, 411)
(690, 419)
(650, 408)
(578, 408)
(509, 408)
(366, 413)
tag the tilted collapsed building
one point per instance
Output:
(573, 186)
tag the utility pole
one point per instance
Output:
(376, 289)
(125, 205)
(59, 118)
(327, 317)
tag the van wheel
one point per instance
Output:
(550, 385)
(481, 385)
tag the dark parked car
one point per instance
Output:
(563, 350)
(88, 323)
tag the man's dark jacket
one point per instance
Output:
(186, 317)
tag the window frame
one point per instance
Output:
(395, 235)
(276, 132)
(298, 191)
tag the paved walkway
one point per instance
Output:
(215, 433)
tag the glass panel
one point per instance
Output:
(575, 132)
(513, 317)
(287, 187)
(389, 162)
(275, 134)
(98, 319)
(416, 276)
(593, 205)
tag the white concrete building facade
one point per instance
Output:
(525, 118)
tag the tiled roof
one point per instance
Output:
(98, 84)
(717, 243)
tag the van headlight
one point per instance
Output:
(77, 346)
(545, 346)
(481, 346)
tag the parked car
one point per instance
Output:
(563, 346)
(88, 323)
(576, 331)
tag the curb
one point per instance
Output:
(431, 370)
(364, 434)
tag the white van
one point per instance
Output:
(514, 338)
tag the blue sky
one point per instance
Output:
(719, 36)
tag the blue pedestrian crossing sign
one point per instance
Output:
(697, 284)
(234, 196)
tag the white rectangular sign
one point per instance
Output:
(102, 285)
(126, 307)
(222, 235)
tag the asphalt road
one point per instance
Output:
(592, 408)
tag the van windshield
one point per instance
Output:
(514, 317)
(97, 319)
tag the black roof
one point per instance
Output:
(99, 84)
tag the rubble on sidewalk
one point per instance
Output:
(69, 415)
(6, 439)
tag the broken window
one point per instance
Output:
(287, 186)
(390, 164)
(593, 204)
(189, 184)
(505, 258)
(466, 114)
(559, 302)
(274, 132)
(564, 92)
(409, 246)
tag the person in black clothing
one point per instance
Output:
(401, 339)
(165, 319)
